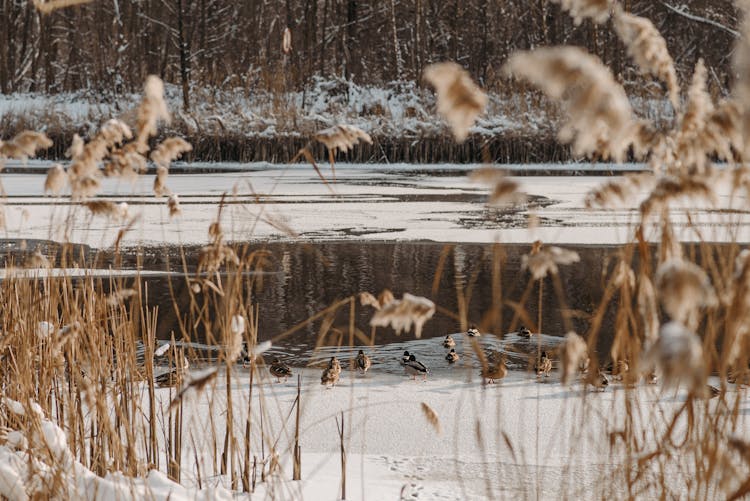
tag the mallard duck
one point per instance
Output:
(473, 331)
(494, 371)
(415, 367)
(524, 332)
(280, 370)
(363, 362)
(334, 365)
(404, 358)
(448, 342)
(543, 366)
(330, 376)
(452, 356)
(620, 369)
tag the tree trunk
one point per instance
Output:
(184, 46)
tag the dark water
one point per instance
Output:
(301, 280)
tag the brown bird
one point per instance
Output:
(544, 366)
(448, 342)
(331, 373)
(452, 356)
(363, 362)
(280, 370)
(494, 371)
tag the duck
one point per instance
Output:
(415, 368)
(174, 376)
(279, 370)
(334, 365)
(494, 371)
(330, 376)
(448, 342)
(363, 362)
(543, 366)
(524, 332)
(473, 331)
(452, 356)
(404, 358)
(620, 370)
(600, 381)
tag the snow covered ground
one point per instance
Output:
(367, 202)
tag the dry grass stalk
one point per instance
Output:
(596, 10)
(342, 137)
(738, 323)
(648, 309)
(459, 100)
(574, 355)
(119, 297)
(432, 417)
(741, 60)
(618, 192)
(402, 313)
(684, 288)
(543, 261)
(286, 41)
(24, 145)
(648, 49)
(678, 355)
(600, 116)
(505, 191)
(169, 150)
(56, 180)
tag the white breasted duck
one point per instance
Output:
(415, 368)
(404, 358)
(279, 369)
(473, 331)
(362, 362)
(452, 357)
(448, 342)
(524, 332)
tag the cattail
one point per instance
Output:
(56, 179)
(596, 10)
(24, 145)
(431, 417)
(286, 41)
(173, 203)
(402, 313)
(683, 288)
(544, 261)
(505, 191)
(574, 354)
(459, 100)
(678, 354)
(648, 49)
(600, 116)
(342, 137)
(170, 149)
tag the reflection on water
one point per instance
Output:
(304, 279)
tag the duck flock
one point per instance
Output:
(493, 364)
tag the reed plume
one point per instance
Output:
(505, 191)
(648, 49)
(342, 137)
(48, 6)
(107, 209)
(152, 109)
(678, 355)
(741, 63)
(599, 113)
(648, 309)
(160, 182)
(543, 261)
(56, 179)
(671, 188)
(24, 145)
(596, 10)
(618, 192)
(173, 204)
(431, 417)
(194, 385)
(684, 288)
(233, 348)
(574, 355)
(402, 313)
(169, 150)
(459, 100)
